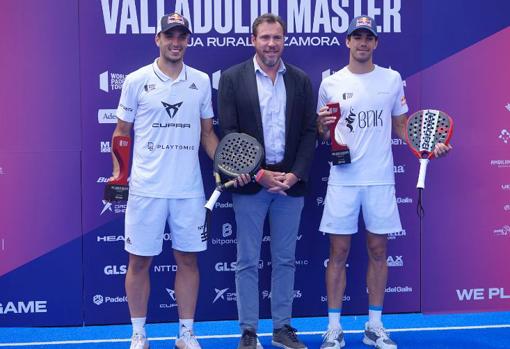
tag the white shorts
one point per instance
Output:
(145, 224)
(342, 205)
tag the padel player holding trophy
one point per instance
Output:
(372, 104)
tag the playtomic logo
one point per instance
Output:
(20, 307)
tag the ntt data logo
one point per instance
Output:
(111, 81)
(29, 307)
(107, 116)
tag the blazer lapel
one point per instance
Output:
(251, 88)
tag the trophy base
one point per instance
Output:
(341, 157)
(115, 192)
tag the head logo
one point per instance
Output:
(219, 294)
(171, 109)
(98, 299)
(107, 207)
(504, 136)
(171, 293)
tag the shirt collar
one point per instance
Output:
(281, 70)
(183, 75)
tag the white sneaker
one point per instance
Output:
(139, 341)
(378, 337)
(333, 339)
(187, 341)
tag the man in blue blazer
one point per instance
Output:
(274, 103)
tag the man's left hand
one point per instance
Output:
(441, 149)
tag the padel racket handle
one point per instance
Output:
(212, 200)
(422, 173)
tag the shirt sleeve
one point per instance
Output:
(400, 105)
(128, 103)
(322, 99)
(206, 108)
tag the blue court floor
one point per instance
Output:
(416, 331)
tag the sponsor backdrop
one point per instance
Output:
(61, 246)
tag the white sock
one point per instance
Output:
(138, 325)
(334, 318)
(185, 325)
(374, 316)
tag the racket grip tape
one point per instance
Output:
(212, 200)
(422, 173)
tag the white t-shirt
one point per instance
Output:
(367, 103)
(166, 116)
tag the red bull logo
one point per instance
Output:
(175, 18)
(364, 22)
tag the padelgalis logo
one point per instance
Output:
(171, 109)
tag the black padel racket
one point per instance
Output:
(236, 154)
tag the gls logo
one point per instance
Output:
(115, 269)
(29, 307)
(171, 109)
(225, 266)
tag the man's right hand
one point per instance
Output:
(324, 119)
(273, 181)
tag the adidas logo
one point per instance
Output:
(193, 86)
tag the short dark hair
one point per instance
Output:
(268, 18)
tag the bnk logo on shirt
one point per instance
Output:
(171, 109)
(365, 118)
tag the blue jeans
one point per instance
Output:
(284, 217)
